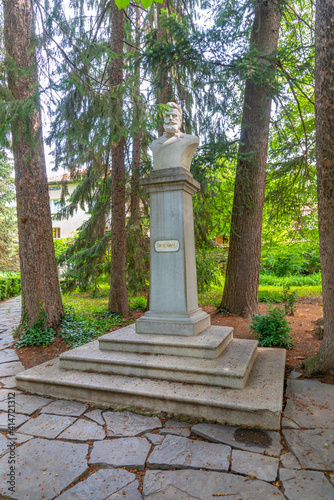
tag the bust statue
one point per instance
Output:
(173, 148)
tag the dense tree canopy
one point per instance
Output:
(197, 53)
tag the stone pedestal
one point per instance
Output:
(173, 287)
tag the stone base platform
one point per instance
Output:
(258, 405)
(185, 324)
(208, 345)
(230, 369)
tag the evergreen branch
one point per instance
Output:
(291, 79)
(298, 16)
(291, 123)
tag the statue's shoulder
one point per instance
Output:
(155, 143)
(190, 139)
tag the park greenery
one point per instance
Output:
(200, 55)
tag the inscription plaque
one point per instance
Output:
(166, 245)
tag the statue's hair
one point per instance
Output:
(176, 106)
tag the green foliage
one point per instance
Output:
(122, 4)
(38, 333)
(272, 329)
(294, 280)
(9, 286)
(62, 244)
(8, 220)
(137, 259)
(137, 303)
(78, 329)
(272, 296)
(208, 273)
(293, 258)
(290, 299)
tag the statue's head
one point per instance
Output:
(173, 118)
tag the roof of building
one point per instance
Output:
(67, 176)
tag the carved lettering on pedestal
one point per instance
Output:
(166, 245)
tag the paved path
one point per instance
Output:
(68, 450)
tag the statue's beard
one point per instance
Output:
(171, 128)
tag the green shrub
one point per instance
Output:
(208, 273)
(272, 329)
(62, 244)
(78, 329)
(273, 296)
(290, 299)
(9, 286)
(38, 334)
(137, 303)
(294, 258)
(296, 280)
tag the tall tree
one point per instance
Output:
(118, 298)
(240, 294)
(136, 141)
(8, 221)
(324, 118)
(40, 285)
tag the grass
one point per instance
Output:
(298, 280)
(9, 274)
(87, 315)
(267, 293)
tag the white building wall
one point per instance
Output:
(65, 227)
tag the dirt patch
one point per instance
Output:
(303, 328)
(303, 331)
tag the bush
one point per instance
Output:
(297, 280)
(78, 329)
(290, 299)
(9, 286)
(137, 303)
(287, 259)
(38, 334)
(208, 273)
(272, 329)
(273, 296)
(62, 244)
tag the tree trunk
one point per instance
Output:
(243, 268)
(324, 120)
(162, 85)
(118, 296)
(136, 144)
(40, 285)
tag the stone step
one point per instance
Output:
(209, 344)
(258, 405)
(231, 369)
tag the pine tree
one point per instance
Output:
(243, 268)
(324, 106)
(8, 220)
(39, 278)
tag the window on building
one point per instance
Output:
(55, 206)
(56, 232)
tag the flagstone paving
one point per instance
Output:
(183, 453)
(176, 427)
(194, 484)
(125, 423)
(83, 430)
(305, 485)
(123, 452)
(48, 426)
(101, 484)
(258, 441)
(45, 468)
(63, 407)
(255, 465)
(70, 450)
(26, 404)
